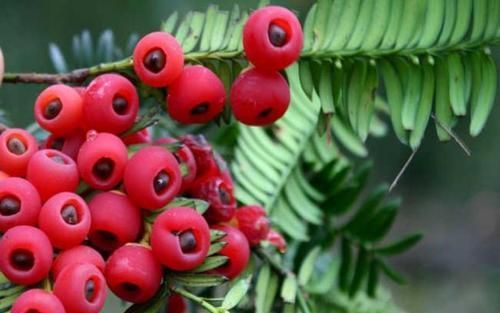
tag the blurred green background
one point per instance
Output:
(453, 199)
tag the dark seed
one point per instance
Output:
(16, 146)
(120, 105)
(107, 236)
(187, 241)
(52, 109)
(57, 144)
(224, 196)
(277, 35)
(22, 260)
(265, 113)
(90, 290)
(130, 288)
(154, 61)
(70, 214)
(201, 108)
(160, 182)
(9, 206)
(58, 159)
(103, 168)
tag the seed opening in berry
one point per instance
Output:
(277, 33)
(103, 168)
(187, 241)
(265, 113)
(52, 109)
(120, 105)
(224, 195)
(57, 144)
(160, 182)
(9, 205)
(90, 290)
(22, 260)
(130, 287)
(33, 311)
(155, 60)
(16, 146)
(69, 214)
(200, 109)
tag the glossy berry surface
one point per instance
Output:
(17, 146)
(197, 96)
(77, 255)
(184, 157)
(37, 301)
(3, 175)
(253, 223)
(180, 238)
(158, 59)
(219, 194)
(53, 164)
(152, 177)
(115, 221)
(176, 304)
(58, 109)
(272, 38)
(65, 213)
(68, 144)
(133, 273)
(111, 104)
(101, 160)
(259, 98)
(277, 240)
(81, 288)
(26, 255)
(19, 203)
(203, 153)
(141, 137)
(236, 249)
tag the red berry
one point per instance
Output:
(185, 157)
(26, 255)
(51, 172)
(180, 238)
(236, 249)
(253, 223)
(203, 153)
(77, 255)
(142, 136)
(277, 240)
(272, 38)
(158, 59)
(115, 221)
(58, 109)
(3, 175)
(111, 104)
(37, 301)
(220, 196)
(101, 160)
(176, 304)
(65, 213)
(69, 144)
(133, 273)
(152, 178)
(197, 96)
(81, 288)
(259, 98)
(17, 146)
(19, 203)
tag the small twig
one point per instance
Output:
(75, 76)
(202, 302)
(403, 169)
(452, 134)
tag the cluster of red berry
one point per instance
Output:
(272, 40)
(55, 233)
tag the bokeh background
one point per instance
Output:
(451, 198)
